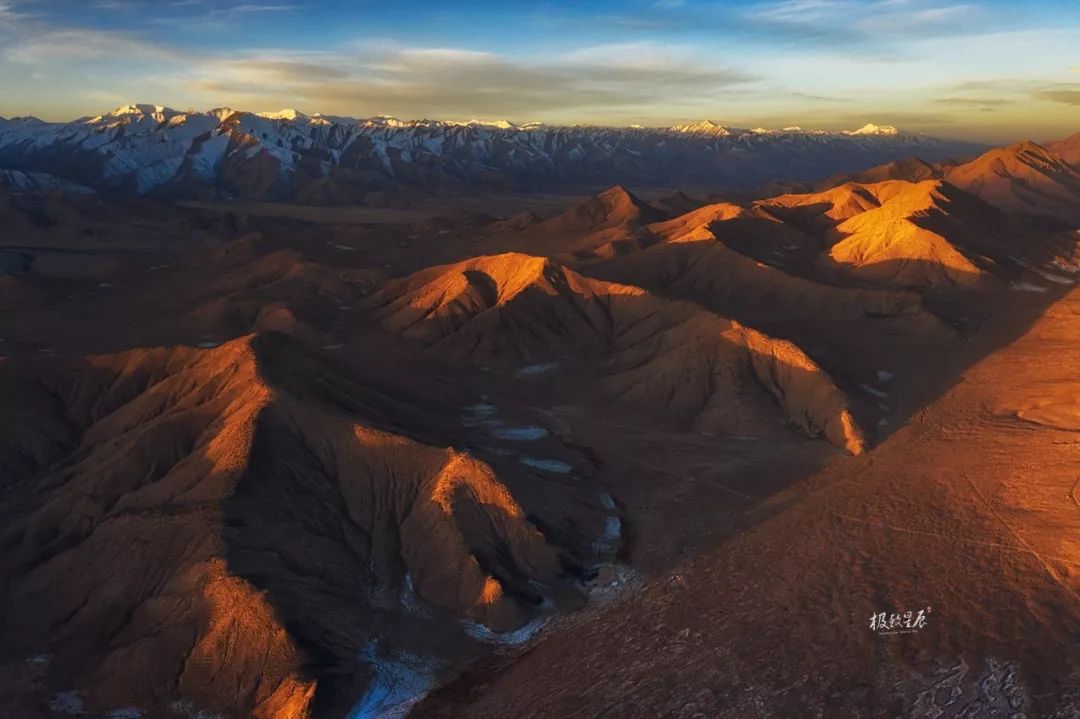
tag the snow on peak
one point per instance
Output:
(704, 127)
(872, 129)
(140, 109)
(286, 114)
(222, 113)
(501, 124)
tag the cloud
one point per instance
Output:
(1067, 93)
(589, 83)
(880, 27)
(58, 45)
(1067, 97)
(973, 101)
(248, 9)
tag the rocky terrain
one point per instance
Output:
(634, 456)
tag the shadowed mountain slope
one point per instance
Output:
(239, 523)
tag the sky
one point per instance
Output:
(983, 70)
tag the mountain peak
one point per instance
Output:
(872, 129)
(500, 124)
(702, 127)
(141, 109)
(286, 114)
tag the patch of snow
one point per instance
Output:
(874, 391)
(67, 703)
(482, 409)
(535, 369)
(884, 375)
(518, 636)
(548, 465)
(208, 345)
(409, 600)
(1027, 287)
(188, 710)
(1050, 277)
(38, 660)
(608, 541)
(205, 161)
(611, 580)
(286, 114)
(872, 129)
(126, 713)
(398, 685)
(519, 434)
(158, 173)
(704, 127)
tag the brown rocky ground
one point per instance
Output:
(586, 462)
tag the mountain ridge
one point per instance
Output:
(288, 155)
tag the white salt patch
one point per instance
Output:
(548, 465)
(104, 285)
(518, 636)
(67, 703)
(39, 660)
(336, 246)
(208, 345)
(607, 500)
(535, 369)
(519, 434)
(482, 409)
(883, 422)
(1027, 287)
(398, 685)
(884, 375)
(333, 347)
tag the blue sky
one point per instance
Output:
(987, 70)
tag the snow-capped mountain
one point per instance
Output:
(287, 155)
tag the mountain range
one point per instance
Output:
(624, 456)
(383, 161)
